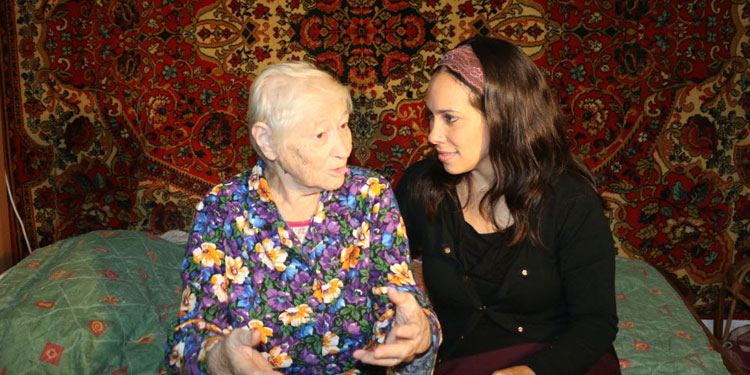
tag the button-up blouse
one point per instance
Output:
(315, 300)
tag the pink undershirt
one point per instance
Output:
(299, 228)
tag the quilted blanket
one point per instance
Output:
(658, 334)
(99, 303)
(103, 302)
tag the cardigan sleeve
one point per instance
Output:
(203, 316)
(585, 249)
(390, 254)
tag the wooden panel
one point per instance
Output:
(7, 250)
(10, 251)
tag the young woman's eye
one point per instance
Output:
(450, 118)
(320, 135)
(344, 126)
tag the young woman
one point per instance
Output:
(518, 254)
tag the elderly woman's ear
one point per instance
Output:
(263, 136)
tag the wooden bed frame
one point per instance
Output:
(689, 299)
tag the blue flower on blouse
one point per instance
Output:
(257, 222)
(336, 306)
(387, 239)
(317, 251)
(304, 331)
(348, 201)
(290, 271)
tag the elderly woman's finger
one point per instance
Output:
(386, 354)
(406, 331)
(401, 299)
(401, 351)
(380, 362)
(236, 354)
(244, 337)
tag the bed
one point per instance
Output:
(102, 303)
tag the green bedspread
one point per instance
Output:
(657, 332)
(101, 303)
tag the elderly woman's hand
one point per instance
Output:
(236, 354)
(409, 337)
(515, 370)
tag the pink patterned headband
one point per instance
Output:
(465, 63)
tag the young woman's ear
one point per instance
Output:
(263, 136)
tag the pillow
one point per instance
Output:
(98, 303)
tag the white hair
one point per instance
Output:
(282, 92)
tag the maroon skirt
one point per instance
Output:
(488, 362)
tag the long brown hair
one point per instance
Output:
(527, 145)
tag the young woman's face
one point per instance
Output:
(314, 151)
(457, 129)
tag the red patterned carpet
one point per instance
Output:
(122, 113)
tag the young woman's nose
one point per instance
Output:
(436, 133)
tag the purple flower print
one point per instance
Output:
(278, 300)
(310, 357)
(352, 327)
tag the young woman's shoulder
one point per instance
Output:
(406, 193)
(573, 192)
(572, 183)
(419, 169)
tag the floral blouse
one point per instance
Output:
(315, 300)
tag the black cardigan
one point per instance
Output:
(562, 294)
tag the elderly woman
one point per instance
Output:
(300, 265)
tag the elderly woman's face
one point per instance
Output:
(314, 151)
